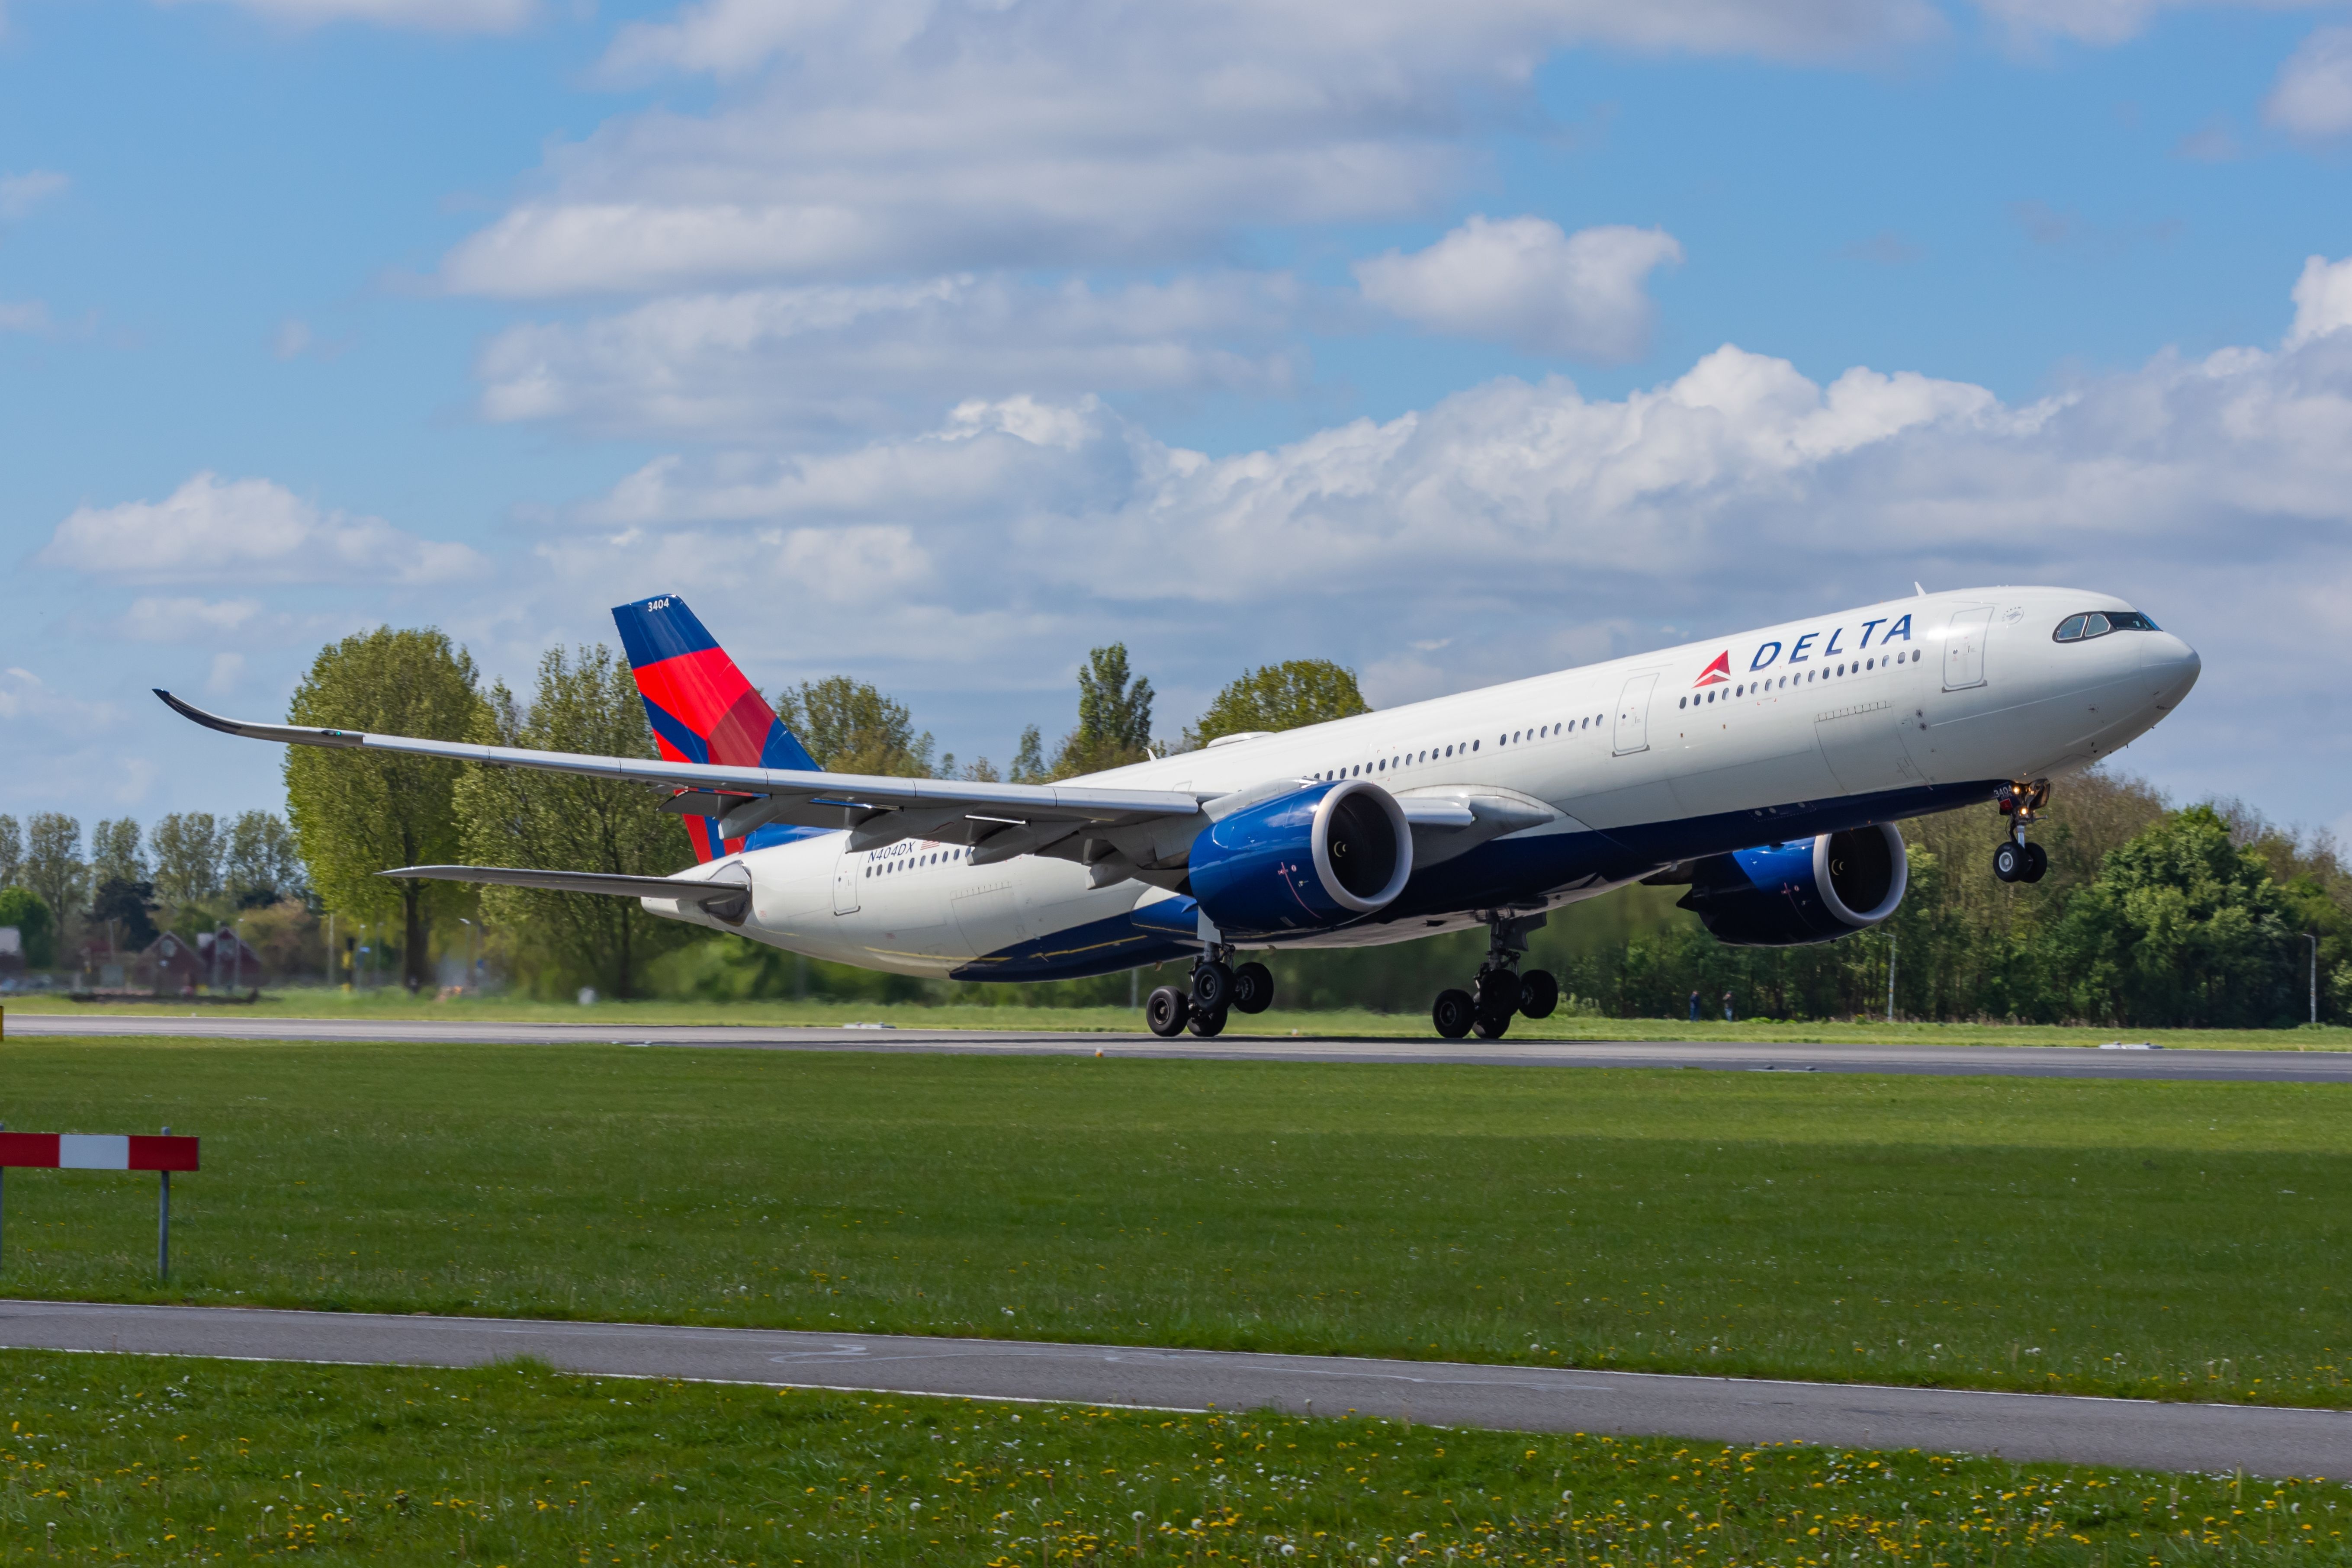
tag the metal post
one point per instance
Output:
(1890, 974)
(164, 1222)
(2313, 937)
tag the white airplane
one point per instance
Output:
(1764, 770)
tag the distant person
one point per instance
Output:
(1694, 1006)
(1727, 1006)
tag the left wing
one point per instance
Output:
(1001, 820)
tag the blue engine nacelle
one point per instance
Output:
(1316, 858)
(1812, 890)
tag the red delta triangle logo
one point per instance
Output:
(1718, 672)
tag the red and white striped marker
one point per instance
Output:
(109, 1151)
(96, 1152)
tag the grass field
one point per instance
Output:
(2167, 1239)
(389, 1003)
(158, 1460)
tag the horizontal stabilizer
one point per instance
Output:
(611, 884)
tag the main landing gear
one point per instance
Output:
(2016, 860)
(1500, 991)
(1219, 987)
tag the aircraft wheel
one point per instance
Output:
(2037, 861)
(1453, 1014)
(1491, 1026)
(1207, 1026)
(2009, 860)
(1499, 991)
(1539, 993)
(1166, 1010)
(1252, 988)
(1213, 987)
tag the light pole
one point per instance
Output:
(2313, 937)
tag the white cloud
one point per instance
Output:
(242, 531)
(922, 137)
(2323, 300)
(181, 618)
(20, 193)
(24, 316)
(1521, 281)
(831, 357)
(2313, 95)
(421, 16)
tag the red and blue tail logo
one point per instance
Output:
(700, 707)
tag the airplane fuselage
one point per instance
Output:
(1584, 779)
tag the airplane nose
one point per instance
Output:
(2171, 664)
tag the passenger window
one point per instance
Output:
(1473, 745)
(1681, 701)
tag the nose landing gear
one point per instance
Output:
(2016, 860)
(1500, 991)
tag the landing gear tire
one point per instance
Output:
(1491, 1026)
(2037, 861)
(1500, 994)
(2008, 861)
(1539, 993)
(1166, 1012)
(1213, 988)
(1252, 988)
(1207, 1026)
(1454, 1014)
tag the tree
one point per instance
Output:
(12, 852)
(262, 865)
(1028, 758)
(1285, 696)
(2182, 928)
(36, 928)
(53, 867)
(114, 852)
(1114, 717)
(567, 822)
(188, 848)
(849, 727)
(126, 908)
(356, 814)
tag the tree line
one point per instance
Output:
(187, 873)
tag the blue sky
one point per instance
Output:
(936, 341)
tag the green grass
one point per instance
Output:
(165, 1459)
(2163, 1239)
(394, 1004)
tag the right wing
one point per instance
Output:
(1001, 820)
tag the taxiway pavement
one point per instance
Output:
(2260, 1440)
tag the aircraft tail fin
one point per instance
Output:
(701, 707)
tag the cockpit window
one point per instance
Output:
(2099, 623)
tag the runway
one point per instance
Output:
(2018, 1061)
(2131, 1433)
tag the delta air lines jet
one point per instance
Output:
(1764, 772)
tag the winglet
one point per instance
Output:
(291, 734)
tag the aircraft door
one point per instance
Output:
(846, 872)
(1634, 714)
(1964, 647)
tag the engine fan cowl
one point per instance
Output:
(1313, 858)
(1807, 891)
